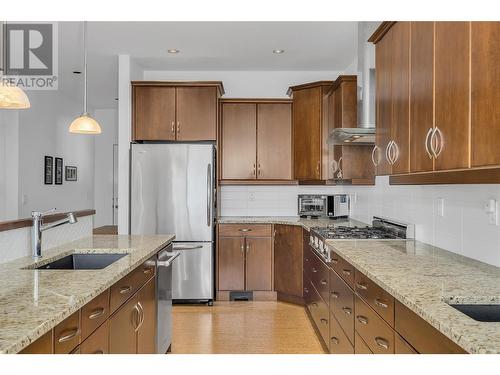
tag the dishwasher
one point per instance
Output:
(164, 261)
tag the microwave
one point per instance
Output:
(332, 206)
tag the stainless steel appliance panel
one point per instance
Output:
(164, 299)
(193, 271)
(172, 190)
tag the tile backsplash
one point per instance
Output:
(17, 243)
(451, 217)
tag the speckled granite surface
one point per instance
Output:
(425, 278)
(290, 220)
(33, 302)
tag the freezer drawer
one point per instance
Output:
(193, 271)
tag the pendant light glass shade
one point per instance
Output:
(12, 97)
(85, 125)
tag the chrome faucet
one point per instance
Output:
(38, 228)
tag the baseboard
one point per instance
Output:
(258, 295)
(283, 297)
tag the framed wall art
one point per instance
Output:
(48, 170)
(71, 173)
(59, 171)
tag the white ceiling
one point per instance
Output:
(203, 46)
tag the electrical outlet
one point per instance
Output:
(24, 200)
(491, 209)
(440, 207)
(251, 197)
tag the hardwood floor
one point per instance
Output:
(243, 327)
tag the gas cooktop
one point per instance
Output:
(382, 229)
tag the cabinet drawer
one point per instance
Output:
(343, 269)
(373, 330)
(42, 345)
(67, 334)
(401, 346)
(342, 304)
(320, 278)
(381, 301)
(97, 342)
(95, 313)
(339, 343)
(128, 285)
(308, 293)
(309, 262)
(321, 315)
(244, 230)
(360, 346)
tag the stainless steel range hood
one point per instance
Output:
(352, 136)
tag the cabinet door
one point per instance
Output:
(307, 119)
(42, 345)
(239, 141)
(274, 141)
(400, 82)
(288, 259)
(122, 326)
(154, 113)
(421, 94)
(383, 62)
(146, 335)
(196, 113)
(452, 93)
(97, 342)
(259, 263)
(485, 81)
(231, 263)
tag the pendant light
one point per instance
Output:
(85, 124)
(11, 96)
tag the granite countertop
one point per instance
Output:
(425, 279)
(32, 302)
(289, 220)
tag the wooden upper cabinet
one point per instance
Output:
(485, 95)
(154, 113)
(383, 67)
(258, 264)
(169, 111)
(400, 81)
(239, 144)
(196, 113)
(310, 130)
(231, 263)
(452, 63)
(421, 94)
(274, 141)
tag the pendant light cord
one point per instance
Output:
(85, 67)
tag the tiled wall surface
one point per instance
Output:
(17, 243)
(464, 228)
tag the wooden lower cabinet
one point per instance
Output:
(67, 334)
(339, 343)
(146, 335)
(231, 261)
(401, 346)
(44, 345)
(360, 346)
(122, 325)
(258, 263)
(288, 259)
(97, 342)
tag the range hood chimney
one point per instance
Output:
(364, 66)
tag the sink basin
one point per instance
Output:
(481, 313)
(89, 261)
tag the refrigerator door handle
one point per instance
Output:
(209, 195)
(194, 247)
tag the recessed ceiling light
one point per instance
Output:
(278, 51)
(173, 50)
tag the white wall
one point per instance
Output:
(9, 164)
(103, 166)
(43, 130)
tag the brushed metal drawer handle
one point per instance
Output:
(334, 294)
(306, 259)
(334, 340)
(147, 271)
(314, 270)
(380, 303)
(335, 261)
(98, 351)
(306, 290)
(361, 286)
(323, 320)
(383, 343)
(71, 334)
(125, 289)
(324, 282)
(347, 272)
(314, 304)
(97, 313)
(347, 310)
(362, 319)
(244, 230)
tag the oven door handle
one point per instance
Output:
(168, 262)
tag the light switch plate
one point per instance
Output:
(491, 208)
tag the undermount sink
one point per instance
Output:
(90, 261)
(481, 313)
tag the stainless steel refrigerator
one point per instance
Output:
(172, 190)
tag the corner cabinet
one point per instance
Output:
(175, 111)
(437, 86)
(256, 140)
(310, 131)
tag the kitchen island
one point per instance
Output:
(33, 302)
